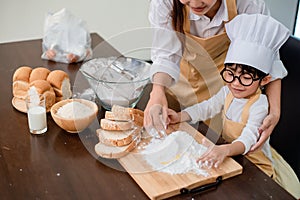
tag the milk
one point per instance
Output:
(37, 119)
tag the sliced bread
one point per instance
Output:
(115, 116)
(120, 113)
(125, 112)
(112, 125)
(107, 151)
(118, 138)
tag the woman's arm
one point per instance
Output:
(166, 53)
(157, 104)
(273, 91)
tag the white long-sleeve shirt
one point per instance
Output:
(257, 112)
(166, 48)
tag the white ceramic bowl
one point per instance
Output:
(119, 81)
(77, 123)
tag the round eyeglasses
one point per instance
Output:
(245, 79)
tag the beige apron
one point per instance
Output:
(233, 130)
(279, 170)
(203, 59)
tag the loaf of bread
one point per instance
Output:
(60, 82)
(107, 151)
(43, 87)
(112, 125)
(39, 73)
(120, 131)
(21, 82)
(118, 138)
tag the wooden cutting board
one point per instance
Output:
(160, 185)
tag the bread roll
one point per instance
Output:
(60, 82)
(39, 73)
(112, 125)
(107, 151)
(22, 74)
(21, 82)
(118, 138)
(43, 87)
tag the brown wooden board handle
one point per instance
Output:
(202, 188)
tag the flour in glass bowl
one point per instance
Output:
(73, 110)
(176, 154)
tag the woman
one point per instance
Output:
(177, 59)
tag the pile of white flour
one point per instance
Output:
(74, 109)
(176, 154)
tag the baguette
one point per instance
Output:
(118, 138)
(107, 151)
(112, 125)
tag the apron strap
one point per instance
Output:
(245, 112)
(252, 99)
(231, 9)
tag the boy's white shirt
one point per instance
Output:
(257, 112)
(166, 49)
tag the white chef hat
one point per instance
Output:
(255, 41)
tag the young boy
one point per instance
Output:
(255, 42)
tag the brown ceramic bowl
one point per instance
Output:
(76, 123)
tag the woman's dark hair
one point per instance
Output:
(178, 16)
(249, 69)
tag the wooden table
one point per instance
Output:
(58, 165)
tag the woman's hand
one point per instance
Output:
(155, 113)
(265, 131)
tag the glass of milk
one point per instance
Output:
(36, 113)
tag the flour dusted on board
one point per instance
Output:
(176, 154)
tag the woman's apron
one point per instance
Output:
(203, 59)
(279, 169)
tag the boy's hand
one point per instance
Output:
(214, 155)
(173, 117)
